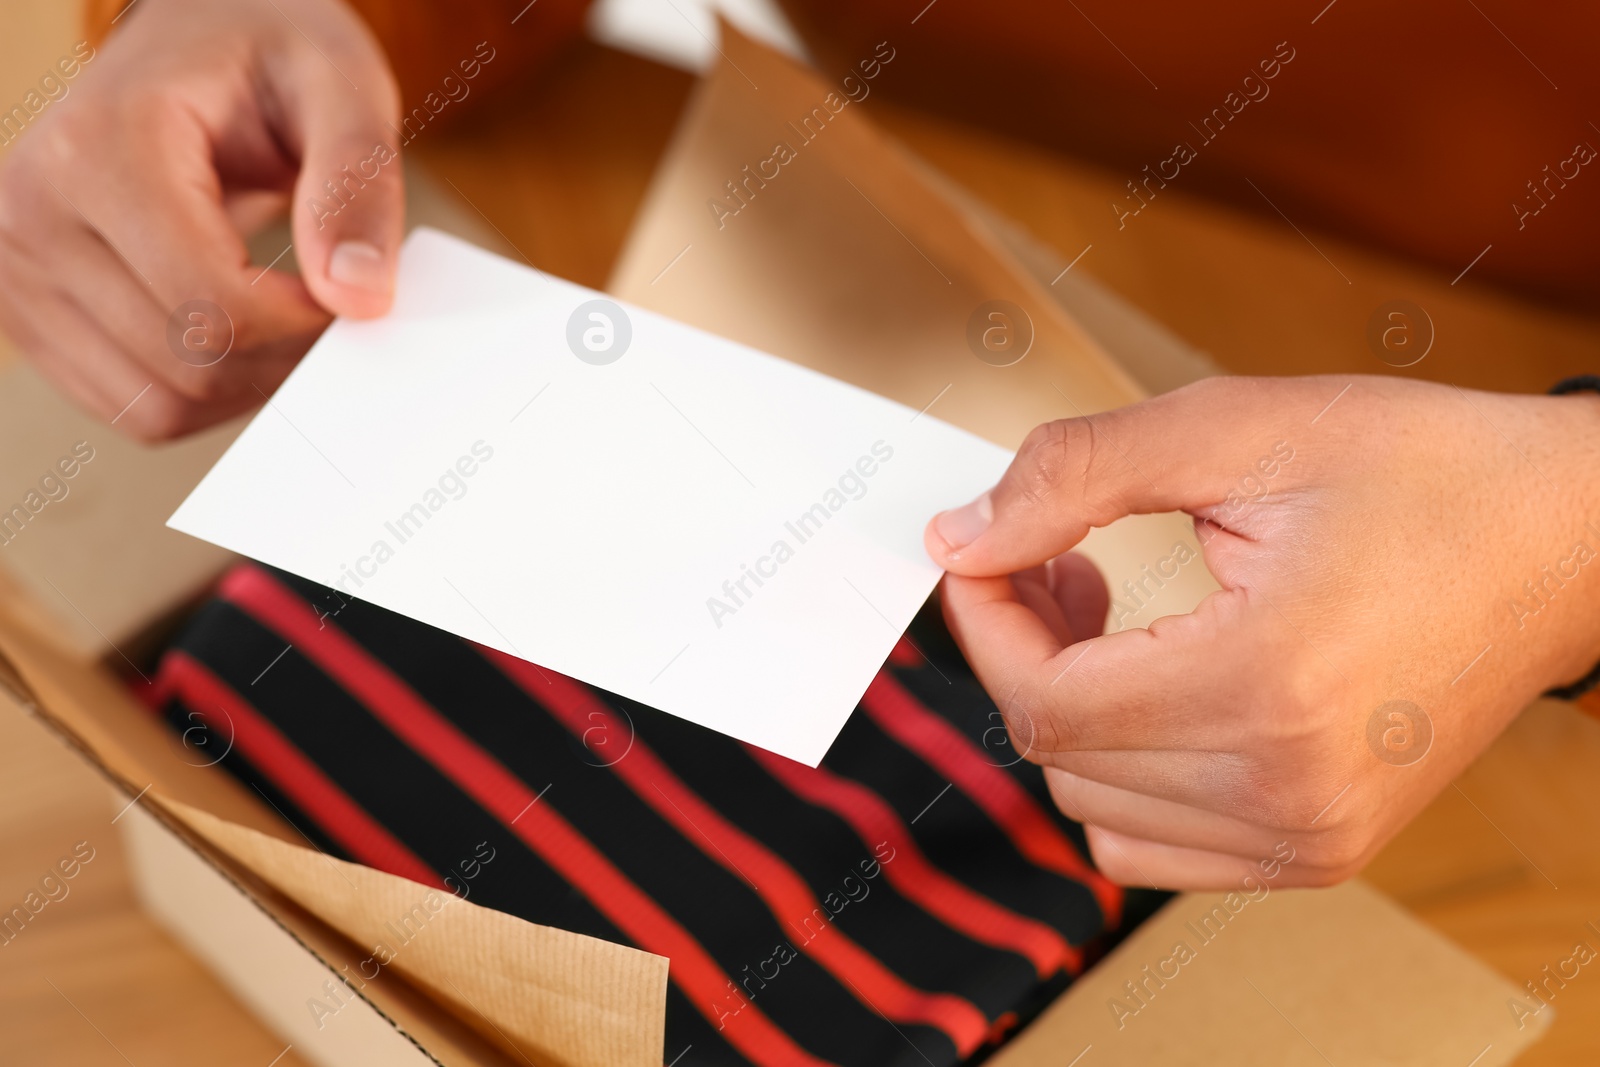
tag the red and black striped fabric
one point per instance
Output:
(910, 902)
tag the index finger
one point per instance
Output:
(166, 221)
(1137, 689)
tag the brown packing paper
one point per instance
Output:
(282, 978)
(97, 713)
(230, 919)
(559, 997)
(859, 262)
(853, 260)
(565, 998)
(283, 962)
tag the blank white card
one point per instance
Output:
(656, 511)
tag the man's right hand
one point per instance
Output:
(1402, 569)
(123, 207)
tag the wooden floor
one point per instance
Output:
(1504, 862)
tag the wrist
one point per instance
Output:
(1566, 586)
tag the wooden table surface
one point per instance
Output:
(1504, 862)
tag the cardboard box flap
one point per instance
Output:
(851, 257)
(1298, 977)
(575, 999)
(565, 998)
(95, 711)
(92, 550)
(854, 259)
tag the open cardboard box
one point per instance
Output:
(853, 259)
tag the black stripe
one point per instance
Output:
(975, 714)
(956, 834)
(825, 851)
(203, 736)
(716, 906)
(428, 813)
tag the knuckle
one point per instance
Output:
(1284, 794)
(1212, 388)
(1302, 688)
(150, 97)
(1262, 790)
(202, 385)
(1218, 393)
(1051, 457)
(1331, 874)
(1339, 851)
(1320, 879)
(21, 194)
(1294, 716)
(1036, 726)
(1112, 862)
(159, 417)
(1066, 791)
(1277, 790)
(68, 136)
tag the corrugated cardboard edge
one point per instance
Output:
(564, 997)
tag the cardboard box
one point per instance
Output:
(855, 260)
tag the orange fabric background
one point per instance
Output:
(1410, 126)
(1413, 127)
(426, 39)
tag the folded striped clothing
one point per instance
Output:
(912, 901)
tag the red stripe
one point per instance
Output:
(779, 886)
(294, 775)
(950, 901)
(904, 654)
(502, 793)
(1000, 796)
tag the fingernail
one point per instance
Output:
(962, 526)
(359, 265)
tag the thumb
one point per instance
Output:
(1177, 452)
(349, 199)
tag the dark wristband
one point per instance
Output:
(1581, 383)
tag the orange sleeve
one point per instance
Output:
(426, 40)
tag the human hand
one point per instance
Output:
(1388, 558)
(126, 200)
